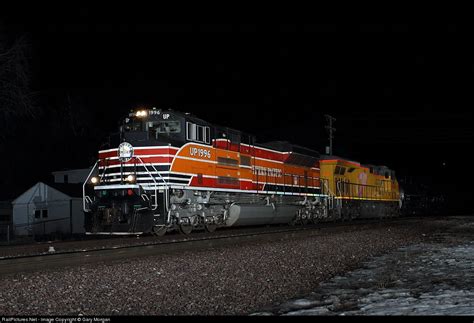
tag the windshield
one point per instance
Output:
(133, 125)
(164, 126)
(160, 128)
(155, 129)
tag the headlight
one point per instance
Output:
(94, 180)
(130, 178)
(141, 113)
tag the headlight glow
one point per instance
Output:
(141, 113)
(94, 180)
(130, 178)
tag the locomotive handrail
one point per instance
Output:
(150, 172)
(331, 193)
(153, 178)
(364, 191)
(101, 176)
(84, 187)
(166, 189)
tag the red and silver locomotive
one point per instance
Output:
(172, 171)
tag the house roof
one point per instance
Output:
(72, 190)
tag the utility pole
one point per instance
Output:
(331, 130)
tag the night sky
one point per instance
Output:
(401, 94)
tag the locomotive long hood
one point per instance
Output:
(296, 155)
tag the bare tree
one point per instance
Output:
(75, 116)
(16, 98)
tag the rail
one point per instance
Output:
(234, 233)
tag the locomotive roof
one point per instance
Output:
(283, 146)
(193, 118)
(329, 157)
(187, 115)
(286, 146)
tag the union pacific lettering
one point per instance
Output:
(265, 171)
(199, 152)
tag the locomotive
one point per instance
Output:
(169, 171)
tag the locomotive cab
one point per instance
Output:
(129, 193)
(153, 128)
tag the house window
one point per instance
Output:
(37, 214)
(66, 179)
(44, 213)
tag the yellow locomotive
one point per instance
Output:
(360, 191)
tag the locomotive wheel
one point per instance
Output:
(159, 230)
(186, 227)
(304, 221)
(211, 227)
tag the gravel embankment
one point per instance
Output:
(429, 278)
(237, 280)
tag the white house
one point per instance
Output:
(49, 208)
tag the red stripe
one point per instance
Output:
(134, 161)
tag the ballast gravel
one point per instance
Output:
(236, 280)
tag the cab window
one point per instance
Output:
(133, 125)
(339, 170)
(195, 132)
(157, 128)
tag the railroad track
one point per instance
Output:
(34, 262)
